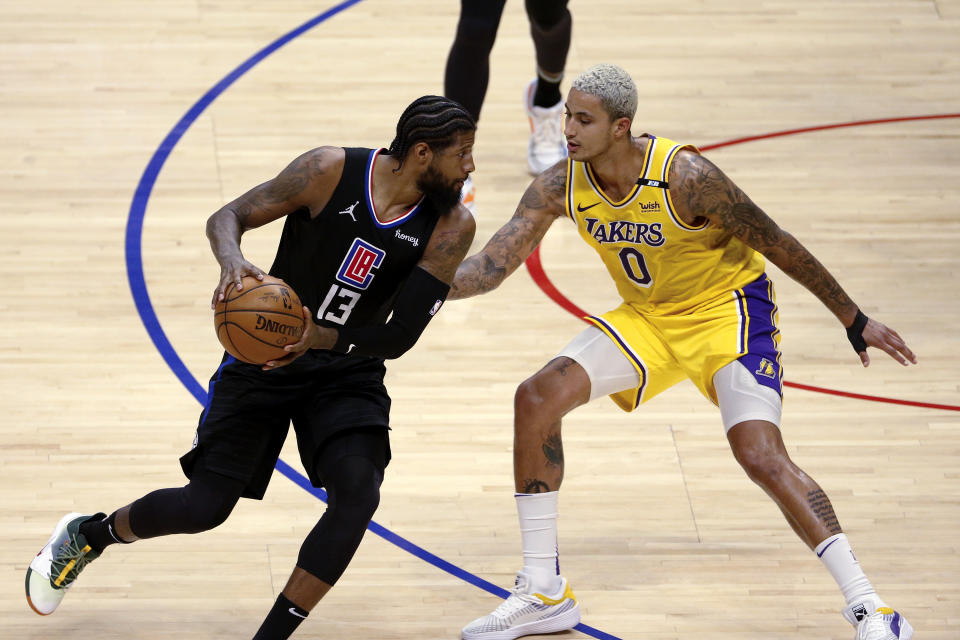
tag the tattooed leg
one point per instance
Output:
(540, 403)
(758, 447)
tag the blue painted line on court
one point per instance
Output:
(390, 536)
(297, 478)
(141, 196)
(141, 297)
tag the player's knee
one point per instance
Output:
(762, 464)
(477, 33)
(528, 401)
(353, 498)
(206, 508)
(353, 492)
(210, 515)
(355, 489)
(546, 13)
(549, 394)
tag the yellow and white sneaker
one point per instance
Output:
(876, 621)
(527, 612)
(58, 564)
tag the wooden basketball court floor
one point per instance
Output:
(662, 535)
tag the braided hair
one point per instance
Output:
(432, 119)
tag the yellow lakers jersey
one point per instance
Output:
(660, 264)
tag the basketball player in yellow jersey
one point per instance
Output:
(686, 249)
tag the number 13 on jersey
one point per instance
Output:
(348, 300)
(356, 271)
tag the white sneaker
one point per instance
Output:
(468, 196)
(876, 621)
(58, 564)
(525, 613)
(547, 144)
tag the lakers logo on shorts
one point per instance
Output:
(766, 369)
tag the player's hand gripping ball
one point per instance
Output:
(256, 322)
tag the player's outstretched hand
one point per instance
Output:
(232, 272)
(313, 337)
(876, 334)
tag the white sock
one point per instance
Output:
(538, 534)
(838, 558)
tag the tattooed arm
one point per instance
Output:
(308, 181)
(542, 203)
(448, 244)
(700, 190)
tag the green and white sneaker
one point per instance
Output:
(59, 563)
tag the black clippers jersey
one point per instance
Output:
(345, 264)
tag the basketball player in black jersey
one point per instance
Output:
(368, 233)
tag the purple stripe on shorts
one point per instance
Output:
(762, 358)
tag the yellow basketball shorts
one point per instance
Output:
(742, 325)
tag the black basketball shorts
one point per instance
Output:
(249, 411)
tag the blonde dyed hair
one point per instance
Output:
(613, 86)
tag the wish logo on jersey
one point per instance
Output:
(625, 231)
(357, 267)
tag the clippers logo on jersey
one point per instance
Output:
(357, 266)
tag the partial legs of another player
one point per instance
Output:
(468, 66)
(550, 28)
(467, 75)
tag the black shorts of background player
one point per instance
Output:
(468, 73)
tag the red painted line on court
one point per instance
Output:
(861, 396)
(535, 267)
(539, 275)
(824, 127)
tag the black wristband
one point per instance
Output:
(855, 332)
(342, 345)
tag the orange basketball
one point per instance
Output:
(256, 322)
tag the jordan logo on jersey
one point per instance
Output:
(766, 369)
(349, 210)
(357, 267)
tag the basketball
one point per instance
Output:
(256, 322)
